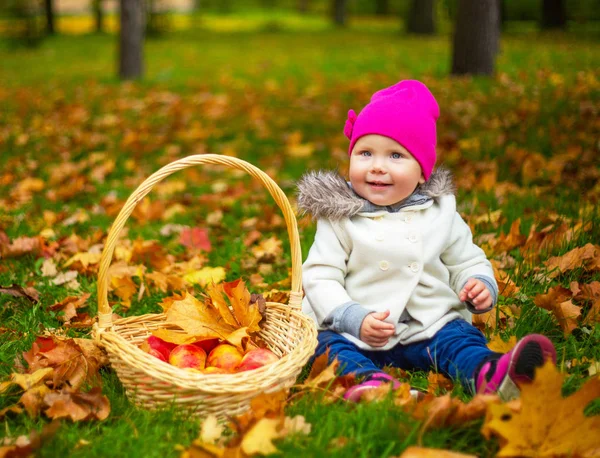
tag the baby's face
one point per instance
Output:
(383, 171)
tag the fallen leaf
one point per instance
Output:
(205, 276)
(424, 452)
(547, 424)
(65, 277)
(211, 431)
(259, 439)
(557, 300)
(15, 290)
(195, 238)
(437, 381)
(578, 257)
(77, 406)
(69, 306)
(500, 346)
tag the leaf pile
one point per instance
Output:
(229, 313)
(253, 432)
(57, 371)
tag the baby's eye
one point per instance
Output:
(396, 156)
(365, 153)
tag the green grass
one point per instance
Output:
(245, 92)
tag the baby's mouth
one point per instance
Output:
(378, 184)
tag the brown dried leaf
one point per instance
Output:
(69, 306)
(77, 406)
(18, 291)
(557, 300)
(578, 257)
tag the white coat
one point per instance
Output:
(413, 262)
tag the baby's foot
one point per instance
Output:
(505, 375)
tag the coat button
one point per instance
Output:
(384, 265)
(414, 266)
(379, 237)
(413, 238)
(408, 218)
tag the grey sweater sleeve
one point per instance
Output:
(491, 284)
(347, 317)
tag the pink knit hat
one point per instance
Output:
(405, 112)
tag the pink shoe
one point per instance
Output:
(376, 380)
(503, 376)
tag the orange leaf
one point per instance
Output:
(423, 452)
(578, 257)
(246, 313)
(557, 300)
(195, 238)
(547, 425)
(198, 319)
(77, 406)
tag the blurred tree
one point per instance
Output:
(476, 37)
(382, 7)
(157, 19)
(49, 17)
(554, 14)
(98, 15)
(302, 6)
(29, 27)
(131, 42)
(339, 12)
(421, 17)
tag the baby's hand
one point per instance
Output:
(477, 294)
(376, 332)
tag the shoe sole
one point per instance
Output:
(530, 353)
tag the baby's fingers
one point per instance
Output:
(465, 293)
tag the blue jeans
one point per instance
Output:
(456, 350)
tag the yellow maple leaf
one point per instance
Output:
(205, 276)
(500, 346)
(546, 425)
(258, 440)
(198, 319)
(246, 314)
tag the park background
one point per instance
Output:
(271, 82)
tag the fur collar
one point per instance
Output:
(325, 194)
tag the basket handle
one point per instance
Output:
(105, 311)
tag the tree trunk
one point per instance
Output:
(131, 39)
(502, 13)
(302, 6)
(554, 14)
(99, 16)
(339, 12)
(382, 7)
(476, 37)
(421, 17)
(50, 17)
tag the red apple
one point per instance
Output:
(225, 357)
(158, 355)
(257, 358)
(188, 357)
(214, 370)
(161, 346)
(207, 345)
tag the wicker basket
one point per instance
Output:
(152, 383)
